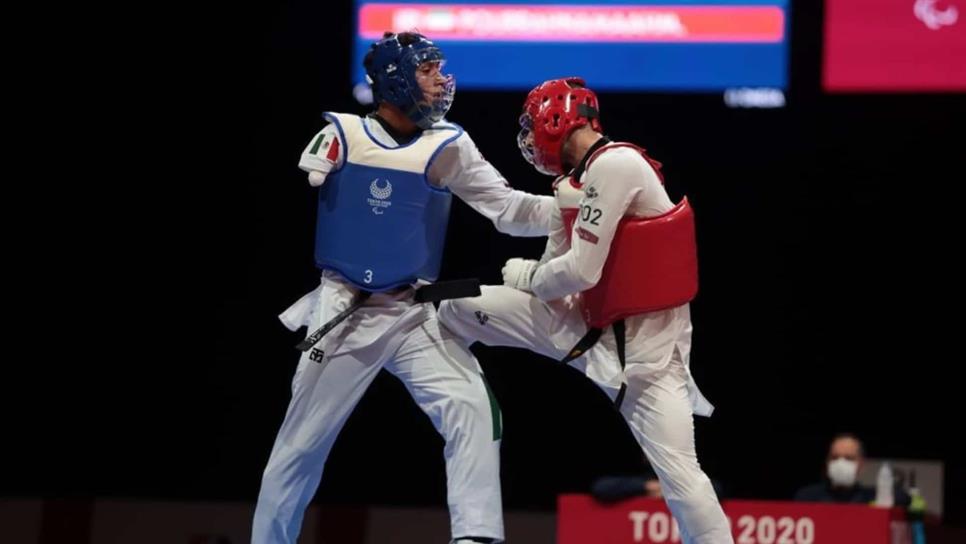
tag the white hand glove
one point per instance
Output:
(517, 273)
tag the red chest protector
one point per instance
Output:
(652, 263)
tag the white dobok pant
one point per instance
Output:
(443, 377)
(661, 397)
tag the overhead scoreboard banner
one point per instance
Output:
(669, 45)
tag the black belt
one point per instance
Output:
(591, 338)
(445, 290)
(433, 292)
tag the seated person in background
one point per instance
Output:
(608, 489)
(615, 488)
(846, 457)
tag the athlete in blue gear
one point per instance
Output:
(385, 185)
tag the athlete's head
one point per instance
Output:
(551, 112)
(404, 70)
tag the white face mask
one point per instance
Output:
(842, 472)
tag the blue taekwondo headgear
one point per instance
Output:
(391, 66)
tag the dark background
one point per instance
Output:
(830, 294)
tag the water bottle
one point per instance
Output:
(883, 488)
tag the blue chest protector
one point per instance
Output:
(380, 222)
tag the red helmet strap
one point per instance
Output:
(588, 111)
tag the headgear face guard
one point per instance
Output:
(525, 143)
